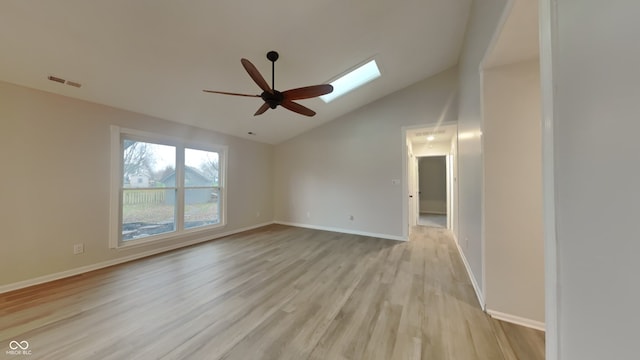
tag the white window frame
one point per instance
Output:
(115, 214)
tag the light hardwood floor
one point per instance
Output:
(273, 293)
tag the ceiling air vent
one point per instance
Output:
(63, 81)
(56, 79)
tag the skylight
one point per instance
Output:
(353, 80)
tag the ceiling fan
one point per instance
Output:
(272, 97)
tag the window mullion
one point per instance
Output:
(180, 194)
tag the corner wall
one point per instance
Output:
(484, 19)
(349, 166)
(514, 240)
(55, 156)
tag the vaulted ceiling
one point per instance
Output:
(155, 56)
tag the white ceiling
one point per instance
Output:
(155, 56)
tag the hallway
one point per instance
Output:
(432, 220)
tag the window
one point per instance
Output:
(202, 188)
(353, 80)
(163, 188)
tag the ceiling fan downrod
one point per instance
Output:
(273, 56)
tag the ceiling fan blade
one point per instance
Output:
(295, 107)
(262, 109)
(307, 92)
(229, 93)
(255, 75)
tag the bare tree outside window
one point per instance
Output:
(137, 159)
(151, 161)
(148, 198)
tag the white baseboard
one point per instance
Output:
(120, 260)
(477, 289)
(344, 231)
(538, 325)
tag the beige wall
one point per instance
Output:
(346, 167)
(514, 243)
(54, 187)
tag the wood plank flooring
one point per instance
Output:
(273, 293)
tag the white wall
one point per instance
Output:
(54, 187)
(595, 112)
(514, 240)
(346, 167)
(432, 149)
(482, 24)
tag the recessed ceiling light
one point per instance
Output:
(353, 80)
(431, 138)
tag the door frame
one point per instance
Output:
(405, 173)
(447, 179)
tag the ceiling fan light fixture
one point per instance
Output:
(353, 80)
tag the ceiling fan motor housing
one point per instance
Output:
(274, 99)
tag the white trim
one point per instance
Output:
(548, 43)
(114, 200)
(517, 320)
(477, 289)
(120, 260)
(171, 236)
(344, 231)
(406, 227)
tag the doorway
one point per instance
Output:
(432, 191)
(430, 176)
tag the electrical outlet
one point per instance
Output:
(258, 214)
(78, 249)
(351, 217)
(308, 215)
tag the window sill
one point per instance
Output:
(164, 238)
